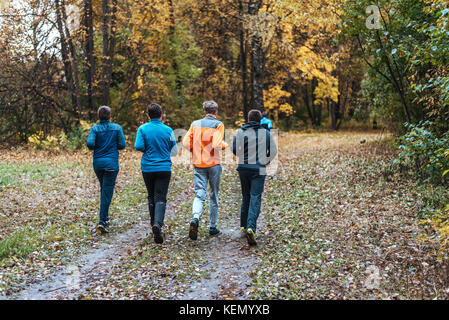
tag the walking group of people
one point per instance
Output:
(253, 145)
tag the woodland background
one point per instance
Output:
(375, 199)
(307, 63)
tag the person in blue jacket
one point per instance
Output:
(266, 123)
(105, 139)
(157, 142)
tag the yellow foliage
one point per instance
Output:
(38, 141)
(440, 224)
(273, 100)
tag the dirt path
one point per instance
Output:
(227, 265)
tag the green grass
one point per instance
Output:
(11, 175)
(20, 244)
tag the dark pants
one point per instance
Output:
(107, 179)
(252, 188)
(157, 186)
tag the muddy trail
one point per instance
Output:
(229, 258)
(225, 270)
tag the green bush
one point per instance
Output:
(424, 153)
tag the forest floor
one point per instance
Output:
(335, 224)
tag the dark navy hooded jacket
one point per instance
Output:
(105, 139)
(254, 147)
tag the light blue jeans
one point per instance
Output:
(201, 177)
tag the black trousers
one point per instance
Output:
(157, 186)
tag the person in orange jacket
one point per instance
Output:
(205, 140)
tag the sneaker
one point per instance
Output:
(103, 229)
(193, 230)
(213, 231)
(251, 236)
(157, 235)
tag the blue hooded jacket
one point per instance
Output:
(157, 142)
(106, 139)
(265, 122)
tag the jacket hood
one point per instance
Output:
(251, 125)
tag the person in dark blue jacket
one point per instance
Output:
(158, 143)
(105, 139)
(255, 148)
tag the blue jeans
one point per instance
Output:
(200, 180)
(107, 180)
(252, 188)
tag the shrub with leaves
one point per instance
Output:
(74, 140)
(424, 153)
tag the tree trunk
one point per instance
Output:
(244, 64)
(397, 83)
(257, 64)
(68, 71)
(334, 112)
(76, 81)
(308, 100)
(178, 83)
(109, 29)
(90, 60)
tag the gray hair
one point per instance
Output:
(104, 113)
(210, 107)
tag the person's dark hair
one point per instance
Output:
(210, 107)
(154, 111)
(104, 113)
(254, 115)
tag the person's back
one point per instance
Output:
(157, 142)
(205, 140)
(255, 148)
(105, 139)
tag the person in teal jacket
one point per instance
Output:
(157, 142)
(266, 123)
(105, 139)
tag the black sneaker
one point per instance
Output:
(103, 229)
(213, 231)
(193, 230)
(157, 235)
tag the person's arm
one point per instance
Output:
(272, 149)
(91, 139)
(121, 143)
(234, 145)
(174, 146)
(187, 142)
(139, 145)
(217, 139)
